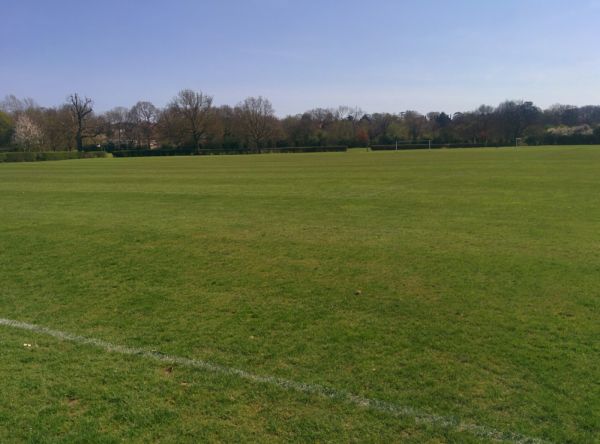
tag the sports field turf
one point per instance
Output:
(432, 296)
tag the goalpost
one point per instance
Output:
(400, 144)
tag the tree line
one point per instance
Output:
(190, 120)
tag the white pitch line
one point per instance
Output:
(314, 389)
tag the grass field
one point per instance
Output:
(458, 283)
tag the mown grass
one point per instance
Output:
(477, 273)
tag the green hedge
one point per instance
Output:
(223, 151)
(306, 149)
(20, 157)
(425, 145)
(93, 154)
(153, 153)
(50, 155)
(59, 155)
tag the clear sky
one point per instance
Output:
(381, 55)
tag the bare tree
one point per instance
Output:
(483, 122)
(11, 104)
(58, 128)
(322, 116)
(349, 113)
(257, 116)
(118, 121)
(144, 114)
(80, 108)
(194, 109)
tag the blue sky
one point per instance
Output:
(379, 55)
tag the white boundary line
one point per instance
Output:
(314, 389)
